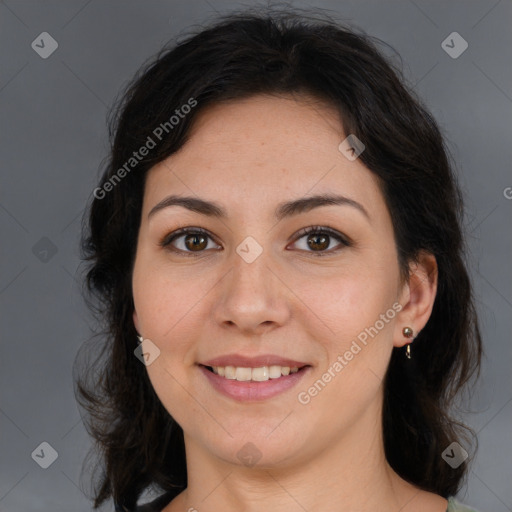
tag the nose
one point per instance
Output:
(251, 298)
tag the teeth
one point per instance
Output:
(274, 372)
(243, 374)
(260, 374)
(229, 372)
(255, 374)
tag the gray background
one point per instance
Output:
(53, 138)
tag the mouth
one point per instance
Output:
(247, 384)
(259, 374)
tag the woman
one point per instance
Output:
(275, 249)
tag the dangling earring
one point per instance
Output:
(408, 333)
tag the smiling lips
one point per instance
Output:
(253, 378)
(259, 369)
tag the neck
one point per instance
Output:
(351, 474)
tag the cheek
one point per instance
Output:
(357, 346)
(346, 302)
(170, 311)
(170, 385)
(166, 299)
(167, 313)
(353, 321)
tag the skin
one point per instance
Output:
(249, 156)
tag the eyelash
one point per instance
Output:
(319, 230)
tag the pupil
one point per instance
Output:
(316, 244)
(195, 244)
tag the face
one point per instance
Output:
(251, 288)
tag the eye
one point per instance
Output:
(317, 239)
(196, 240)
(187, 240)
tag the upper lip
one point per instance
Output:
(253, 362)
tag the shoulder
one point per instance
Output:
(455, 506)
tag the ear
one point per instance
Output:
(417, 297)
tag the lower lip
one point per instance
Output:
(251, 391)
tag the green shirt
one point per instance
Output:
(455, 506)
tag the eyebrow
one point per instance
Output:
(283, 210)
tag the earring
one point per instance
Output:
(408, 333)
(140, 338)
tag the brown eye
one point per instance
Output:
(196, 242)
(187, 240)
(318, 242)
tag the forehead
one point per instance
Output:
(255, 152)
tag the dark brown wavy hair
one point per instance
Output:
(137, 443)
